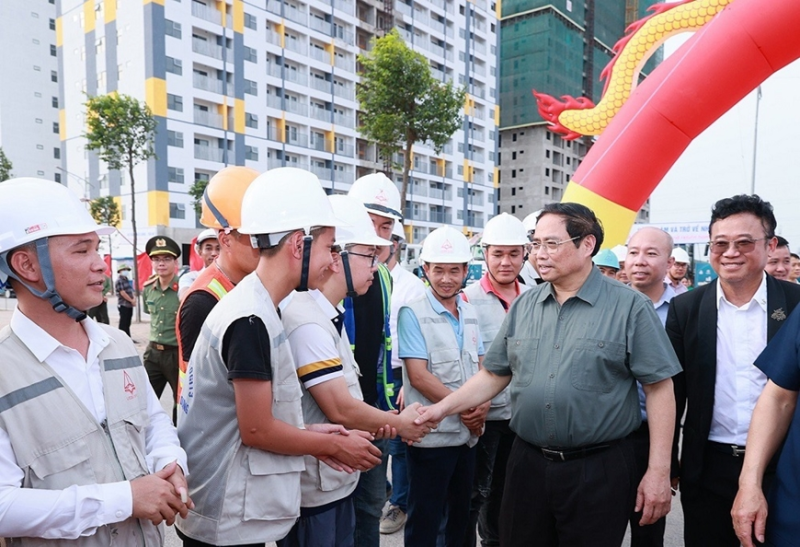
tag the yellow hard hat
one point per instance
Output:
(222, 200)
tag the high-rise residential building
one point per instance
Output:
(29, 97)
(558, 47)
(268, 84)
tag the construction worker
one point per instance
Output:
(529, 274)
(607, 262)
(242, 422)
(438, 359)
(329, 375)
(405, 288)
(222, 214)
(207, 248)
(504, 241)
(161, 301)
(367, 319)
(87, 454)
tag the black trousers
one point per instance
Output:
(651, 535)
(493, 449)
(577, 503)
(707, 506)
(99, 313)
(125, 315)
(190, 542)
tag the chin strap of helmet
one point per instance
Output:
(351, 290)
(49, 294)
(308, 239)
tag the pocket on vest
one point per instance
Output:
(330, 479)
(68, 466)
(446, 366)
(129, 439)
(272, 490)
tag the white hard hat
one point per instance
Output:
(283, 200)
(379, 195)
(360, 230)
(621, 251)
(680, 255)
(209, 233)
(33, 209)
(398, 230)
(529, 222)
(504, 229)
(445, 245)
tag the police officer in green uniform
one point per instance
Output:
(161, 302)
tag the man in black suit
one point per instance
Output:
(717, 331)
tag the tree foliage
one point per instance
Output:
(105, 211)
(5, 166)
(196, 191)
(121, 130)
(403, 104)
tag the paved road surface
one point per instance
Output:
(140, 333)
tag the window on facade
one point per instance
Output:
(174, 102)
(250, 54)
(251, 153)
(177, 210)
(53, 76)
(175, 174)
(174, 66)
(250, 21)
(251, 120)
(53, 50)
(173, 29)
(250, 87)
(56, 127)
(175, 138)
(57, 153)
(54, 102)
(52, 24)
(57, 177)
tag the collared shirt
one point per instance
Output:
(488, 288)
(316, 356)
(678, 287)
(79, 510)
(741, 336)
(162, 305)
(590, 349)
(412, 344)
(406, 287)
(661, 307)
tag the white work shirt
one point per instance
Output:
(406, 287)
(186, 281)
(316, 355)
(741, 337)
(78, 510)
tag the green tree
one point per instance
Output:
(196, 191)
(403, 104)
(121, 130)
(5, 166)
(105, 210)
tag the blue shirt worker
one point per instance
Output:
(572, 349)
(776, 420)
(441, 348)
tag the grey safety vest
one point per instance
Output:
(57, 441)
(491, 315)
(449, 364)
(319, 483)
(241, 494)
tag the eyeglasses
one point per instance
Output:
(743, 246)
(162, 259)
(551, 246)
(373, 258)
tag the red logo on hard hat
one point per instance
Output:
(381, 197)
(35, 228)
(128, 385)
(447, 246)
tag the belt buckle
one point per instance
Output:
(159, 347)
(553, 454)
(737, 451)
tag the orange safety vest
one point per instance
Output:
(215, 283)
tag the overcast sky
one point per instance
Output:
(719, 162)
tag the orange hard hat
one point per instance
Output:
(222, 199)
